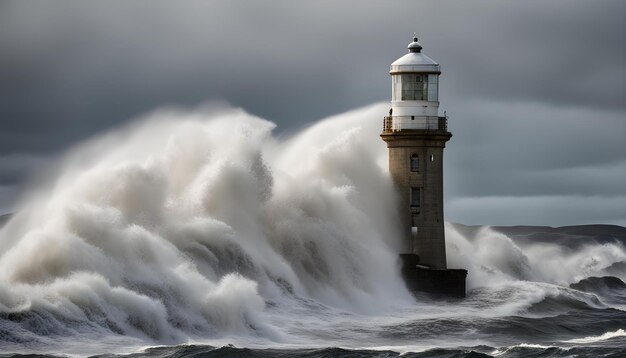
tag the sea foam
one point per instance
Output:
(188, 223)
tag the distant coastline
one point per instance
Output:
(569, 235)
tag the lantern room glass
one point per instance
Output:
(415, 87)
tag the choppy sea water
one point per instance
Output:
(565, 323)
(199, 233)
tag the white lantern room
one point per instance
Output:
(414, 91)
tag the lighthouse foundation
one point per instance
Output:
(421, 279)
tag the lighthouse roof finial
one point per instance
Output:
(415, 46)
(414, 61)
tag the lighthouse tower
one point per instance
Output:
(416, 136)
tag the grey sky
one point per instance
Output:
(535, 90)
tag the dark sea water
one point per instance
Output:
(199, 235)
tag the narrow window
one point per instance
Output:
(432, 87)
(415, 162)
(432, 157)
(415, 197)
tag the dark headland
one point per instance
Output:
(570, 236)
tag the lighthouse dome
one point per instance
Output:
(414, 61)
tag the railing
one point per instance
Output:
(401, 123)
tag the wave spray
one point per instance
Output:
(190, 223)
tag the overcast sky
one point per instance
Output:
(535, 90)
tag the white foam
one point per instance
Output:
(593, 339)
(504, 350)
(185, 223)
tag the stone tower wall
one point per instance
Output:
(429, 241)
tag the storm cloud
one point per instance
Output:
(535, 90)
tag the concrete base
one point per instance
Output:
(437, 282)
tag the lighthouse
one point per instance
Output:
(416, 136)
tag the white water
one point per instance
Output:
(196, 225)
(600, 338)
(188, 223)
(492, 258)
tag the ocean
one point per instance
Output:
(200, 233)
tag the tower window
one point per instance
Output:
(432, 157)
(415, 162)
(415, 197)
